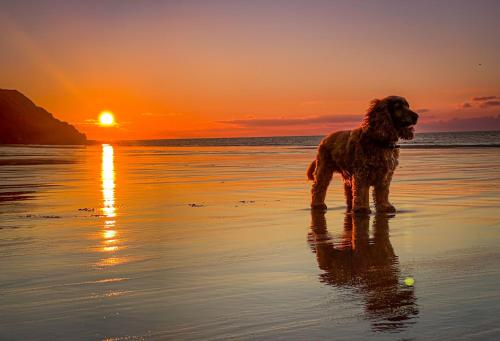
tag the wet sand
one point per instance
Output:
(184, 243)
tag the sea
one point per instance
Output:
(421, 140)
(213, 239)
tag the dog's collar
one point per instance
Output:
(392, 146)
(387, 145)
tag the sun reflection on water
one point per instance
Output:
(109, 233)
(108, 183)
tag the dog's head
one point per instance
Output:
(389, 119)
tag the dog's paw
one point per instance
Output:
(321, 206)
(361, 210)
(388, 208)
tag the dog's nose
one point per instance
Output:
(414, 117)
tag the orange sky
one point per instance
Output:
(236, 68)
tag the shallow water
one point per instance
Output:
(119, 243)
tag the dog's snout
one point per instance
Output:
(414, 117)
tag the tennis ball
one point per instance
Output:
(409, 281)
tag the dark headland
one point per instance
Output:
(22, 122)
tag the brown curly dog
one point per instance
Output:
(366, 156)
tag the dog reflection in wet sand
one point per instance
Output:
(367, 265)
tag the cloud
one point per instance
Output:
(212, 132)
(169, 114)
(280, 122)
(254, 127)
(423, 110)
(482, 102)
(489, 104)
(484, 98)
(93, 122)
(463, 124)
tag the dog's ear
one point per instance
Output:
(378, 123)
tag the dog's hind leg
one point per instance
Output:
(322, 177)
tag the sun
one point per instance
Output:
(106, 118)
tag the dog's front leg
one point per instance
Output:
(381, 196)
(361, 200)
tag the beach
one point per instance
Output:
(114, 242)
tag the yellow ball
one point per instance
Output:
(409, 281)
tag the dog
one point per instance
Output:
(365, 156)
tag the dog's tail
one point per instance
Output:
(311, 169)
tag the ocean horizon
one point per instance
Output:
(421, 140)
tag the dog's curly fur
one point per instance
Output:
(366, 156)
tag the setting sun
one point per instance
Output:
(106, 118)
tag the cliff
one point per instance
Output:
(22, 122)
